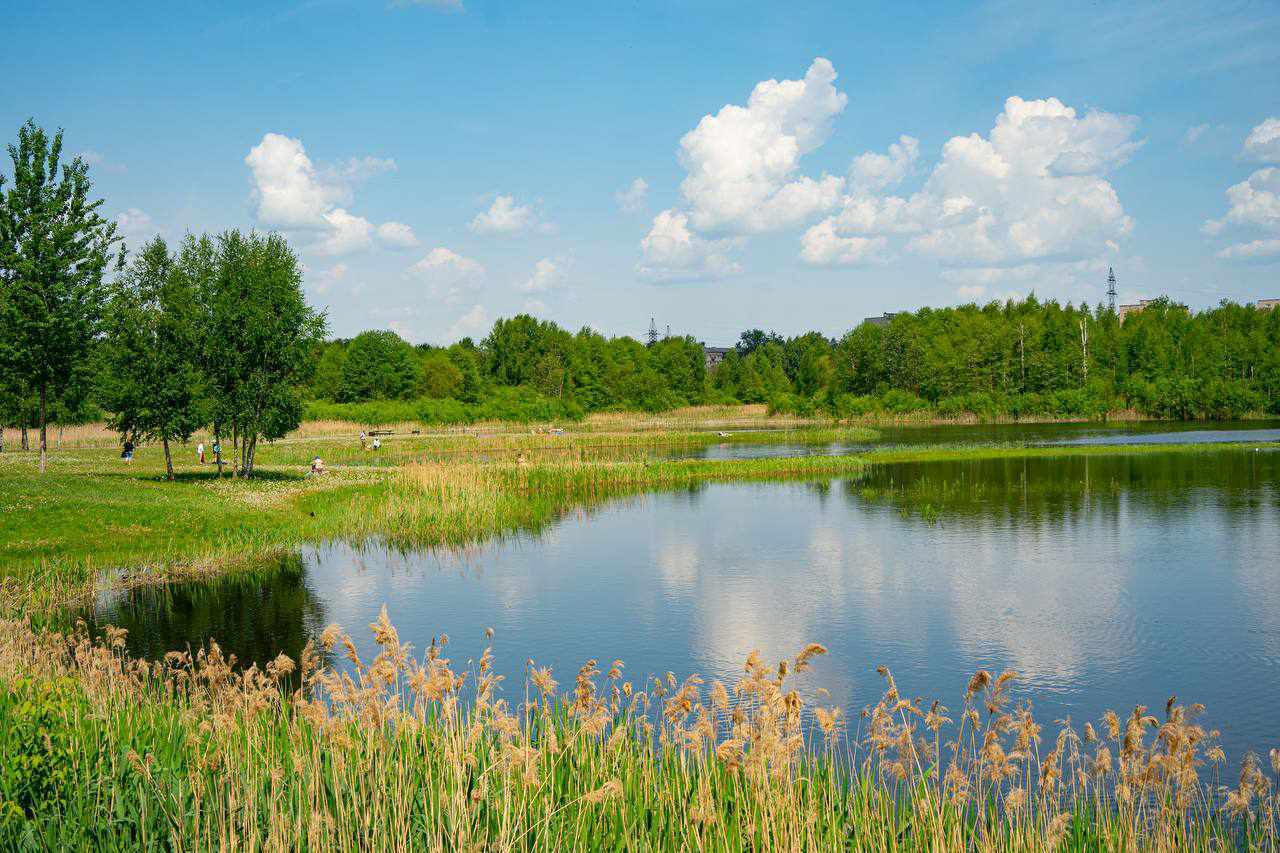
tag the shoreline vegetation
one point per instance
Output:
(410, 751)
(416, 752)
(106, 524)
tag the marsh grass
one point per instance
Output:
(413, 751)
(95, 522)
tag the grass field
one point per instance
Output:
(95, 519)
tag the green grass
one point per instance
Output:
(94, 518)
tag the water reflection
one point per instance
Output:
(273, 608)
(1038, 435)
(1106, 581)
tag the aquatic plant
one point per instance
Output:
(411, 752)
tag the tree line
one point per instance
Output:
(1012, 359)
(215, 333)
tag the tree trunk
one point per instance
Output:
(25, 443)
(60, 427)
(235, 451)
(217, 444)
(44, 435)
(168, 458)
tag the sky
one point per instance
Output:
(716, 166)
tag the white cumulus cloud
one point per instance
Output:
(547, 273)
(631, 199)
(1033, 189)
(134, 224)
(289, 193)
(447, 274)
(822, 246)
(672, 252)
(397, 235)
(1254, 203)
(1263, 142)
(469, 325)
(504, 216)
(743, 162)
(872, 172)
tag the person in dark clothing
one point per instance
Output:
(127, 453)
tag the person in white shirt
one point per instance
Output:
(200, 452)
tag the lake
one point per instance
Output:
(1105, 581)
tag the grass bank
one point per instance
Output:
(95, 519)
(404, 752)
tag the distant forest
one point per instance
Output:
(1014, 359)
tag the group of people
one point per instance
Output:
(317, 464)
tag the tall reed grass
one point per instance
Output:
(410, 751)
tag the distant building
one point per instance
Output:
(1266, 304)
(715, 355)
(882, 320)
(1135, 308)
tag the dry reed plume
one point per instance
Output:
(408, 751)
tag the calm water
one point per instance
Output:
(1149, 432)
(1105, 581)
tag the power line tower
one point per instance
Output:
(1111, 288)
(653, 332)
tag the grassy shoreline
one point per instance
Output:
(93, 520)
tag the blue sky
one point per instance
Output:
(439, 165)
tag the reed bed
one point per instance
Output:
(409, 751)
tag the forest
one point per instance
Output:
(1013, 359)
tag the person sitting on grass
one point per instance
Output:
(317, 466)
(377, 443)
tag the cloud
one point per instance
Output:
(363, 168)
(1194, 133)
(326, 279)
(546, 275)
(448, 275)
(98, 160)
(346, 234)
(872, 172)
(672, 252)
(134, 224)
(397, 235)
(632, 198)
(290, 194)
(470, 324)
(742, 162)
(535, 307)
(1263, 142)
(504, 216)
(821, 246)
(1033, 189)
(1255, 250)
(1254, 203)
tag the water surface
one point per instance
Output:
(1105, 581)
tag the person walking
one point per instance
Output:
(200, 452)
(127, 453)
